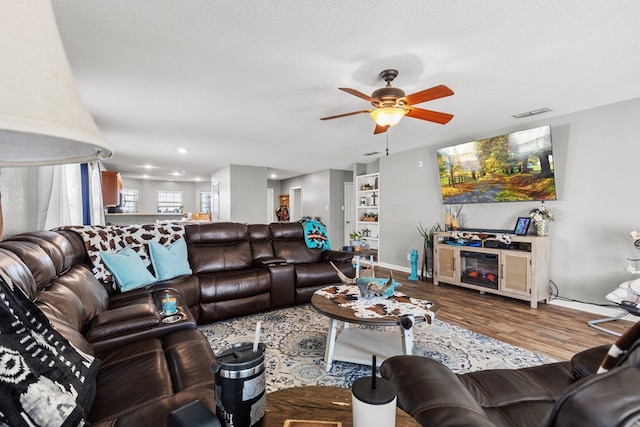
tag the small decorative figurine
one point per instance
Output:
(370, 287)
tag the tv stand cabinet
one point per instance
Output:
(517, 270)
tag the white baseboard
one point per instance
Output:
(592, 308)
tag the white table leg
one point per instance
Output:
(331, 343)
(407, 338)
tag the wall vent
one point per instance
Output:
(532, 113)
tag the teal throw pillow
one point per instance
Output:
(128, 269)
(169, 261)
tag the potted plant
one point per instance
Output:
(541, 217)
(356, 240)
(427, 236)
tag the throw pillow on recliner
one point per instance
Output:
(620, 348)
(170, 261)
(128, 269)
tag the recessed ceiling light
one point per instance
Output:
(183, 150)
(197, 178)
(148, 167)
(273, 175)
(532, 113)
(145, 176)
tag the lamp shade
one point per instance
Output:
(388, 116)
(43, 120)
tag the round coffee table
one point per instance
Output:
(357, 345)
(317, 403)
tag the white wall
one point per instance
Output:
(248, 194)
(18, 187)
(596, 158)
(223, 178)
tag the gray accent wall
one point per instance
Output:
(597, 159)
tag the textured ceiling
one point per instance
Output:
(245, 82)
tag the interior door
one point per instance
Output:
(295, 202)
(349, 212)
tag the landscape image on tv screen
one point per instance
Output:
(512, 167)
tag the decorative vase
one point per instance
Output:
(542, 227)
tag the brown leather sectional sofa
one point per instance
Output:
(149, 368)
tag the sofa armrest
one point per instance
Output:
(587, 362)
(123, 320)
(136, 296)
(336, 256)
(432, 394)
(269, 261)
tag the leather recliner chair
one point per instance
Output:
(567, 394)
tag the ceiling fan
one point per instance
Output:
(391, 104)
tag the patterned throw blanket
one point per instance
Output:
(398, 304)
(113, 238)
(44, 380)
(315, 235)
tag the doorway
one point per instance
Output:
(270, 207)
(295, 203)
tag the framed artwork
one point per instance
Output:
(284, 201)
(522, 226)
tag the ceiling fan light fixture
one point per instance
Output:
(388, 116)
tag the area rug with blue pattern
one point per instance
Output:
(295, 341)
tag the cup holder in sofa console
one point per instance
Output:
(173, 318)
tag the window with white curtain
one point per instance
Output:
(130, 199)
(170, 202)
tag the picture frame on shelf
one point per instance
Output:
(522, 226)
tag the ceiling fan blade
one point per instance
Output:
(380, 129)
(431, 116)
(435, 92)
(358, 94)
(345, 114)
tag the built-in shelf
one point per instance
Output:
(368, 206)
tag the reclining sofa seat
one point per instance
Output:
(562, 394)
(312, 269)
(139, 381)
(230, 283)
(243, 269)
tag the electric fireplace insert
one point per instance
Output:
(479, 268)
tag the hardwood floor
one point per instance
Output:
(557, 332)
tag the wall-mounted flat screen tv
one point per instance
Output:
(512, 167)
